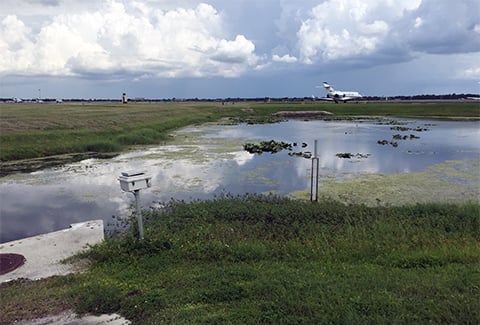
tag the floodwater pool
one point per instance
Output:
(201, 162)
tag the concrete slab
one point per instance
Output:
(44, 253)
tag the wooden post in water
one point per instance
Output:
(314, 176)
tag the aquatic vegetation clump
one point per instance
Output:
(349, 155)
(400, 128)
(306, 154)
(405, 129)
(273, 146)
(385, 142)
(405, 137)
(397, 136)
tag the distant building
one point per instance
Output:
(124, 98)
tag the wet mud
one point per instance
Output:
(35, 164)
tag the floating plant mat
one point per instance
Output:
(446, 182)
(273, 146)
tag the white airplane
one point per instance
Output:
(338, 95)
(17, 100)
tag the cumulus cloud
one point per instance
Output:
(134, 37)
(285, 58)
(472, 73)
(343, 29)
(352, 29)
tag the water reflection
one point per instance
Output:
(209, 160)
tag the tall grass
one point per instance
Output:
(255, 259)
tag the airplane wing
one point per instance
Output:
(338, 99)
(345, 98)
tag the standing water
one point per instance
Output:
(206, 161)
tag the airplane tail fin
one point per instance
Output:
(328, 87)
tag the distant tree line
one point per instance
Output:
(232, 100)
(423, 97)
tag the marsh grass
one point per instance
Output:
(256, 259)
(32, 130)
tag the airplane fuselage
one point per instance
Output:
(338, 95)
(345, 94)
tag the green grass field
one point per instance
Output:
(32, 130)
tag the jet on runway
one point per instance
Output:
(339, 95)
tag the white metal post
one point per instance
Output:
(314, 176)
(138, 213)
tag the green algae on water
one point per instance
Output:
(451, 181)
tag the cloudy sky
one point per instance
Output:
(237, 48)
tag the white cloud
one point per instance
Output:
(472, 73)
(418, 22)
(133, 38)
(347, 28)
(285, 58)
(476, 28)
(368, 29)
(237, 51)
(14, 37)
